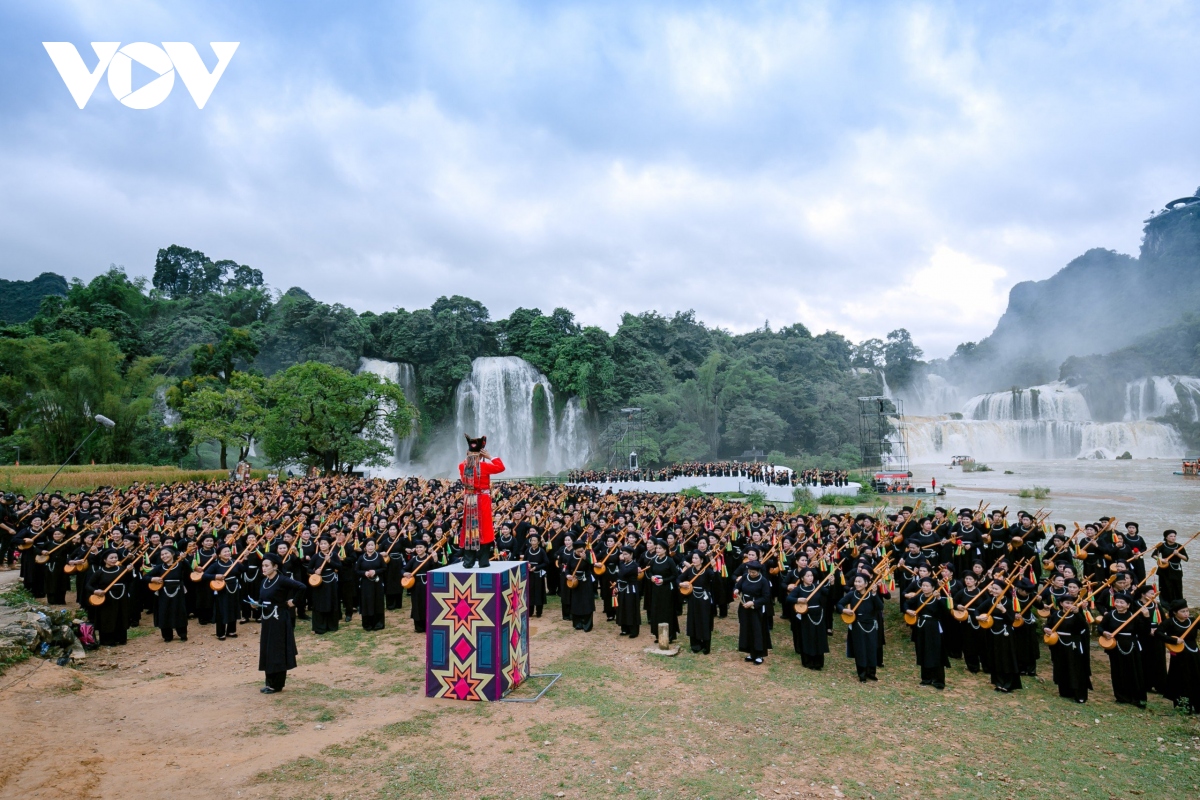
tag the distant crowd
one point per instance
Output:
(752, 471)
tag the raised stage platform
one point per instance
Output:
(477, 631)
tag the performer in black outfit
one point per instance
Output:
(700, 606)
(1125, 659)
(932, 613)
(809, 635)
(325, 596)
(1183, 677)
(371, 599)
(170, 610)
(754, 598)
(277, 639)
(628, 606)
(538, 562)
(862, 640)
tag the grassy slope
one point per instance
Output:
(623, 723)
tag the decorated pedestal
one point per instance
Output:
(477, 631)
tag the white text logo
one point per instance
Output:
(164, 61)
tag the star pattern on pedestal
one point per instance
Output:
(461, 609)
(461, 683)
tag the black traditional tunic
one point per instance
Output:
(661, 605)
(371, 597)
(112, 617)
(700, 608)
(1183, 677)
(754, 629)
(170, 606)
(1125, 659)
(538, 562)
(1071, 656)
(809, 637)
(326, 597)
(629, 610)
(862, 638)
(928, 639)
(277, 639)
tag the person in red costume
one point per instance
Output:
(476, 535)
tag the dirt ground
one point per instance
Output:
(184, 720)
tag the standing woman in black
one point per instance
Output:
(661, 577)
(227, 599)
(1183, 677)
(393, 590)
(417, 568)
(1125, 659)
(809, 635)
(538, 561)
(1005, 672)
(754, 598)
(700, 605)
(170, 608)
(205, 555)
(112, 617)
(325, 596)
(251, 575)
(277, 642)
(931, 612)
(348, 550)
(371, 598)
(565, 561)
(862, 638)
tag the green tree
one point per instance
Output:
(901, 357)
(321, 415)
(232, 414)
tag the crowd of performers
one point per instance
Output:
(973, 585)
(752, 471)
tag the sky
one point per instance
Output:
(857, 167)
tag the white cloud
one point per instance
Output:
(854, 168)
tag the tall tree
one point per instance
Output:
(323, 416)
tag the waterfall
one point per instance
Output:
(938, 439)
(1053, 401)
(509, 401)
(1147, 398)
(1051, 421)
(402, 375)
(928, 395)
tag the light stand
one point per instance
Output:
(100, 420)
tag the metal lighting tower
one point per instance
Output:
(881, 433)
(627, 448)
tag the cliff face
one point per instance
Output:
(1099, 303)
(19, 300)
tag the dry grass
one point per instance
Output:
(29, 479)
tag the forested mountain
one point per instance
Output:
(1099, 303)
(19, 300)
(706, 393)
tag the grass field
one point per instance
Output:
(622, 723)
(29, 479)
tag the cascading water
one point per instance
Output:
(927, 396)
(507, 399)
(1052, 421)
(1147, 398)
(402, 375)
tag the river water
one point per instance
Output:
(1143, 491)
